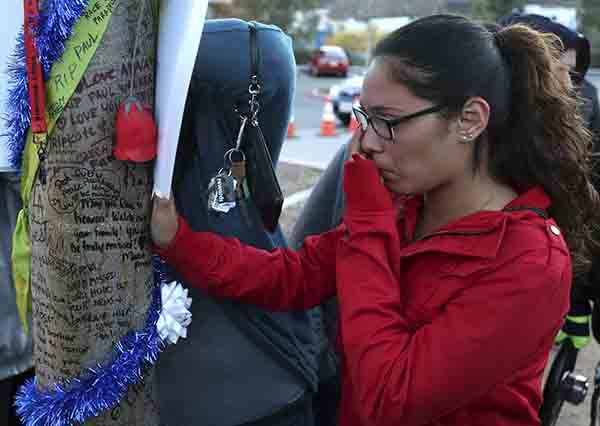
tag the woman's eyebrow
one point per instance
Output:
(384, 109)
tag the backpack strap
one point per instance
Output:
(254, 58)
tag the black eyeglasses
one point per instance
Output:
(384, 127)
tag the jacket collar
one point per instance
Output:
(476, 235)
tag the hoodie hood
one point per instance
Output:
(570, 39)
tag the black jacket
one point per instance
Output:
(591, 111)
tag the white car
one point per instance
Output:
(343, 95)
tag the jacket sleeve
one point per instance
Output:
(405, 376)
(280, 280)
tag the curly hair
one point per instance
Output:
(554, 144)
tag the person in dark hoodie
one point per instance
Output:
(575, 64)
(575, 59)
(239, 364)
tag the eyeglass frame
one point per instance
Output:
(391, 123)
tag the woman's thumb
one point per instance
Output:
(164, 204)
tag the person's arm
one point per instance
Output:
(323, 209)
(577, 323)
(479, 340)
(283, 279)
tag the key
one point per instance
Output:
(238, 171)
(237, 161)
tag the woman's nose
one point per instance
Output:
(371, 143)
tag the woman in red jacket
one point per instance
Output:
(449, 299)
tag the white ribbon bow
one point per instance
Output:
(175, 315)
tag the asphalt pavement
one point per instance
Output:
(310, 149)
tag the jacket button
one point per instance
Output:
(554, 230)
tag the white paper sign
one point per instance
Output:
(11, 21)
(180, 28)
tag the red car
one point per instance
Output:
(331, 60)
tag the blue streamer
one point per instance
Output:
(56, 27)
(103, 386)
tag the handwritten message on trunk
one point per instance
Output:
(91, 267)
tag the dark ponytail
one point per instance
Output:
(544, 140)
(535, 135)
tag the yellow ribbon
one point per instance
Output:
(88, 32)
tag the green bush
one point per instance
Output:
(357, 41)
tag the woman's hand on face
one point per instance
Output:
(164, 221)
(362, 186)
(354, 147)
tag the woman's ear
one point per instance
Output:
(473, 119)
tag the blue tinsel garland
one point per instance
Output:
(55, 28)
(103, 386)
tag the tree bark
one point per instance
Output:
(91, 266)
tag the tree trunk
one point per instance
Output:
(90, 263)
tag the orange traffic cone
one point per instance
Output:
(354, 124)
(291, 130)
(328, 124)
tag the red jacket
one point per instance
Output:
(452, 329)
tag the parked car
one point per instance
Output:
(342, 97)
(330, 60)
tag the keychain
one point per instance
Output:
(229, 187)
(222, 192)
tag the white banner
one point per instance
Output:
(180, 28)
(11, 21)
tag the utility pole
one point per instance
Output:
(370, 13)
